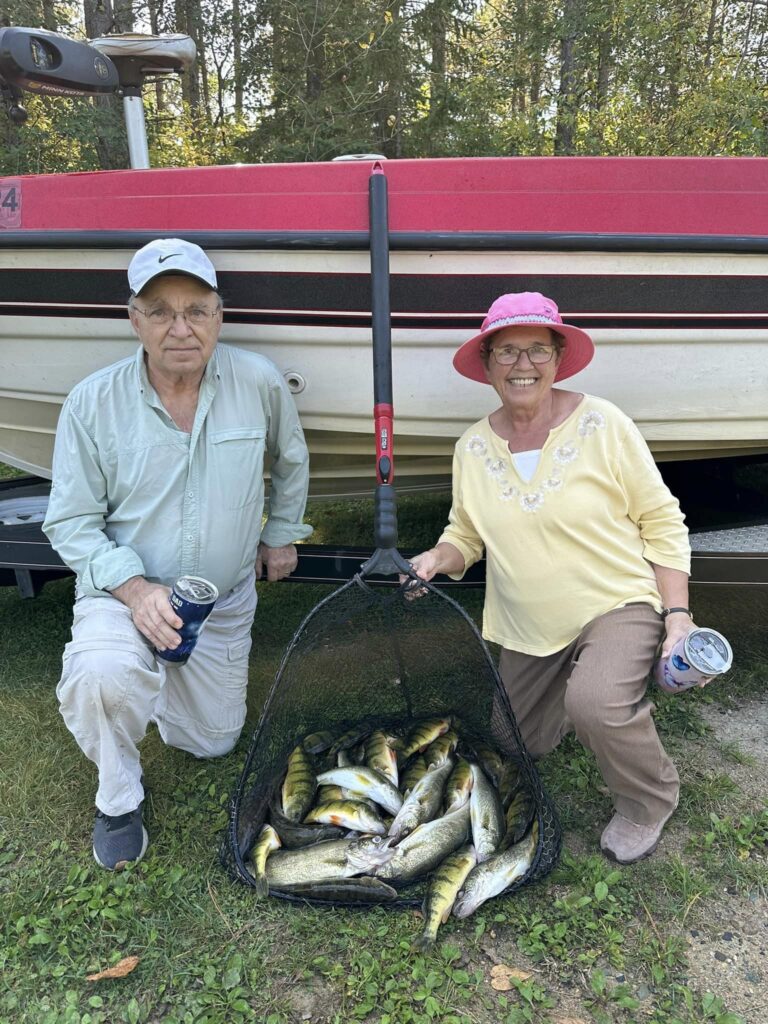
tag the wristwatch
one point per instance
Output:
(669, 611)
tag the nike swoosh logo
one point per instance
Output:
(162, 259)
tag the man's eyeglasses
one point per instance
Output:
(508, 355)
(161, 316)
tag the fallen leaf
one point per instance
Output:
(121, 968)
(501, 984)
(501, 976)
(568, 1020)
(500, 970)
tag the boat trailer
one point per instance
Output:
(733, 556)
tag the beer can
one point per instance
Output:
(703, 654)
(192, 598)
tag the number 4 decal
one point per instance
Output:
(10, 203)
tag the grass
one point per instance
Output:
(208, 954)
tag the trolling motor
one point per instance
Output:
(137, 58)
(39, 61)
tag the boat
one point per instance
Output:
(663, 260)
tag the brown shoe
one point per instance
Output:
(626, 842)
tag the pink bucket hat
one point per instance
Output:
(525, 309)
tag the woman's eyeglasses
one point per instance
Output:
(508, 355)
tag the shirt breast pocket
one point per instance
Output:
(238, 458)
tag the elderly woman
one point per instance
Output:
(587, 559)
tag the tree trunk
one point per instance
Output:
(50, 20)
(154, 25)
(566, 100)
(111, 146)
(237, 41)
(188, 22)
(438, 92)
(389, 58)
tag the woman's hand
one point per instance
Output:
(678, 625)
(426, 565)
(442, 558)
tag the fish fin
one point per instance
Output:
(446, 914)
(425, 941)
(261, 887)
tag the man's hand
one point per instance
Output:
(151, 611)
(279, 562)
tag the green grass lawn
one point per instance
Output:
(208, 954)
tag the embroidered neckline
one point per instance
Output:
(563, 455)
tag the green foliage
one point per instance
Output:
(208, 953)
(740, 837)
(313, 79)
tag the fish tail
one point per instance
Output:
(261, 887)
(426, 940)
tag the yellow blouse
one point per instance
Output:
(575, 541)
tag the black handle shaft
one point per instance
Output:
(380, 309)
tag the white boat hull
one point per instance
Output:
(694, 392)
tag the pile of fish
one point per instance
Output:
(360, 814)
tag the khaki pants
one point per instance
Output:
(596, 687)
(112, 686)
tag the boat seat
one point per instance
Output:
(137, 55)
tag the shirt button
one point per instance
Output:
(189, 536)
(190, 494)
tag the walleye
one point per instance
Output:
(420, 737)
(299, 785)
(337, 858)
(440, 750)
(352, 814)
(444, 887)
(426, 847)
(364, 782)
(267, 842)
(487, 815)
(295, 834)
(494, 876)
(366, 889)
(422, 803)
(380, 756)
(459, 786)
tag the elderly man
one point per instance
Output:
(158, 473)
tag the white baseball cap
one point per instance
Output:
(169, 256)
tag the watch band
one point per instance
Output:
(669, 611)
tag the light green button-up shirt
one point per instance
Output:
(133, 495)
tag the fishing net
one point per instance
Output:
(369, 654)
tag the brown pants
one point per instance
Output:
(595, 687)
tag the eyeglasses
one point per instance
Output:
(162, 316)
(509, 355)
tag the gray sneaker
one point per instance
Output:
(118, 840)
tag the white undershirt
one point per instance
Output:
(526, 463)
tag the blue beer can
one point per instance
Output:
(192, 598)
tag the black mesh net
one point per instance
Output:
(367, 654)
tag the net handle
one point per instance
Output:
(386, 559)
